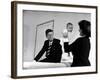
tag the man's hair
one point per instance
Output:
(69, 24)
(47, 31)
(85, 26)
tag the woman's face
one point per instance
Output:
(81, 34)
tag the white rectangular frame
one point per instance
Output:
(17, 38)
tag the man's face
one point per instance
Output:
(70, 28)
(50, 36)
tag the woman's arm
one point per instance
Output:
(69, 48)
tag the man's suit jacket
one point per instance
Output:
(55, 51)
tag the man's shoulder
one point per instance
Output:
(56, 40)
(46, 41)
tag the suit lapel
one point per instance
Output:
(53, 43)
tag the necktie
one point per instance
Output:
(48, 51)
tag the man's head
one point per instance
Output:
(49, 34)
(69, 27)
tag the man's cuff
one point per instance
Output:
(35, 59)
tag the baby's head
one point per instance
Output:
(69, 27)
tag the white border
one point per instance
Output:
(30, 72)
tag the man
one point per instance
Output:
(52, 48)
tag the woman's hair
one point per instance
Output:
(85, 26)
(47, 31)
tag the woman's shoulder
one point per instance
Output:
(83, 39)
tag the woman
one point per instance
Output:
(81, 47)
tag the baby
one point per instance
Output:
(66, 56)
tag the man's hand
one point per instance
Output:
(34, 61)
